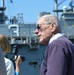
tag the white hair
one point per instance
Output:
(52, 19)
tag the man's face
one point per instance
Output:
(43, 31)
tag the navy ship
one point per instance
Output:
(24, 42)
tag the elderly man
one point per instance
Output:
(59, 55)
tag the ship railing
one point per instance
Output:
(22, 40)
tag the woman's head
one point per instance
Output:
(4, 43)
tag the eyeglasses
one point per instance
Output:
(38, 26)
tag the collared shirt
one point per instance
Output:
(55, 37)
(16, 73)
(59, 53)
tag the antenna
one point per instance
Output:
(56, 6)
(72, 4)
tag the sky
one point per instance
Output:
(31, 8)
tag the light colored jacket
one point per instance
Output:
(9, 66)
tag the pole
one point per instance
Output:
(56, 7)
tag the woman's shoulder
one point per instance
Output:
(7, 60)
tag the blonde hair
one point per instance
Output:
(4, 43)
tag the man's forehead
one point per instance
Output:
(40, 20)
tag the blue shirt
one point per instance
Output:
(16, 73)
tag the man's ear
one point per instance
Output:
(53, 27)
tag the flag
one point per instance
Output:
(11, 1)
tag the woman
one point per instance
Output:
(6, 49)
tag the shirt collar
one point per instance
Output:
(55, 37)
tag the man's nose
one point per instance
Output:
(36, 31)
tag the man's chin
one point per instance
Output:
(43, 42)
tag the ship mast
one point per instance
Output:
(3, 5)
(2, 13)
(56, 6)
